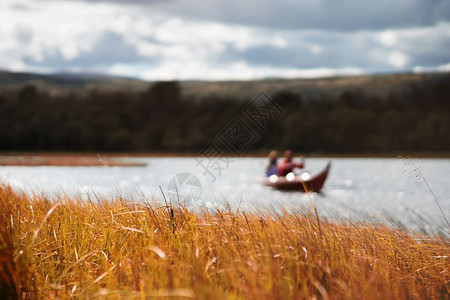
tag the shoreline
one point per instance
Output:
(250, 154)
(65, 160)
(72, 159)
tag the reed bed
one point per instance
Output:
(65, 248)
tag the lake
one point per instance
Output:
(391, 191)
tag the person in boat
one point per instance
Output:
(288, 164)
(272, 168)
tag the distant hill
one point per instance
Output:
(64, 82)
(380, 85)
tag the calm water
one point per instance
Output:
(377, 189)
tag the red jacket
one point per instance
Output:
(286, 167)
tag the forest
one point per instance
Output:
(161, 119)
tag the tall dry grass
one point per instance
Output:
(118, 249)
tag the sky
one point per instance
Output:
(225, 39)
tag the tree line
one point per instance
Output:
(161, 119)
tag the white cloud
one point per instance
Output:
(398, 59)
(239, 71)
(441, 68)
(316, 49)
(121, 70)
(444, 68)
(146, 49)
(387, 38)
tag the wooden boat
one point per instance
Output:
(300, 183)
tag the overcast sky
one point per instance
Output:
(225, 39)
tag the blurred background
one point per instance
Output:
(166, 76)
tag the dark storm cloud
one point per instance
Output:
(339, 15)
(341, 50)
(307, 51)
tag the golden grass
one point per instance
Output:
(118, 249)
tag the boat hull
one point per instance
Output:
(313, 184)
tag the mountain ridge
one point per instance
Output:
(374, 84)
